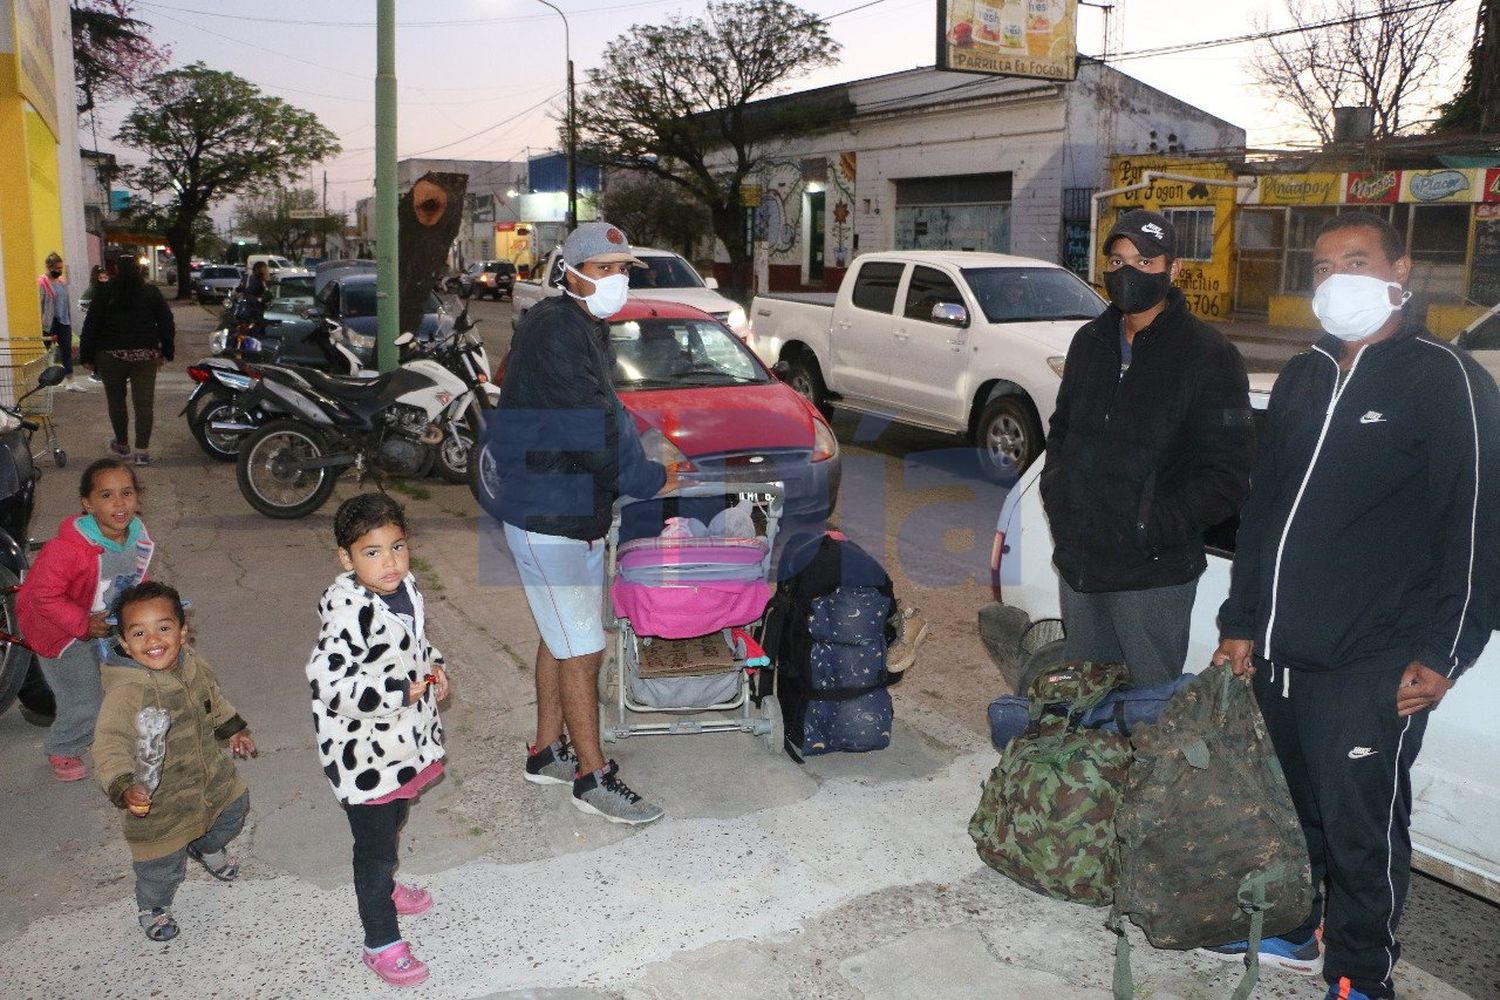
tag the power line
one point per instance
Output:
(491, 128)
(464, 23)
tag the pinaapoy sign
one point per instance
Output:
(1300, 189)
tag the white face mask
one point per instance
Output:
(609, 293)
(1353, 306)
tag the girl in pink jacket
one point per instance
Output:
(65, 597)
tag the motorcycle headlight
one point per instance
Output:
(825, 445)
(218, 341)
(659, 448)
(360, 341)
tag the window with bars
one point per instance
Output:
(1195, 232)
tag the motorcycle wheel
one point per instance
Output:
(218, 406)
(269, 485)
(15, 659)
(484, 477)
(457, 450)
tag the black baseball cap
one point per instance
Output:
(1151, 233)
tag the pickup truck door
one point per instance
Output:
(859, 350)
(930, 362)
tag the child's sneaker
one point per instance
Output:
(158, 924)
(410, 900)
(1302, 957)
(1344, 990)
(396, 965)
(602, 793)
(551, 765)
(143, 458)
(119, 448)
(67, 768)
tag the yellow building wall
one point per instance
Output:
(1207, 284)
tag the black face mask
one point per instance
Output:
(55, 272)
(1133, 290)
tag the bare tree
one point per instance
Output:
(1384, 55)
(672, 101)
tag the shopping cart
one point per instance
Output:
(21, 365)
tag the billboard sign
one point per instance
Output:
(1033, 38)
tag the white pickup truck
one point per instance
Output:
(963, 342)
(667, 276)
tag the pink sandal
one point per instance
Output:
(396, 965)
(411, 900)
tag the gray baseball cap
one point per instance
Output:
(598, 241)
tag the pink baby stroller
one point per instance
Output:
(686, 609)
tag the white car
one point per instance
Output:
(968, 343)
(1455, 786)
(1481, 338)
(666, 276)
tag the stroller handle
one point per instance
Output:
(776, 491)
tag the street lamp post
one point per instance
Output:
(572, 219)
(387, 227)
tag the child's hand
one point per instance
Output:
(137, 800)
(440, 683)
(98, 627)
(242, 746)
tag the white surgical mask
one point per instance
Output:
(609, 295)
(1353, 306)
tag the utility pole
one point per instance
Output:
(387, 228)
(572, 218)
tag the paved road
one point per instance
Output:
(848, 878)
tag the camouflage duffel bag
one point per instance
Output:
(1046, 815)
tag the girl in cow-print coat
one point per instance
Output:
(376, 681)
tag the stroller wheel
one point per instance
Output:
(606, 731)
(773, 738)
(59, 457)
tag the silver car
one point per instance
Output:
(217, 283)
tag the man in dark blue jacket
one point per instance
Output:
(565, 450)
(1363, 586)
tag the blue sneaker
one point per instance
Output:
(1344, 990)
(1305, 957)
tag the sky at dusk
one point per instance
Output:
(484, 79)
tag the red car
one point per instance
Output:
(699, 394)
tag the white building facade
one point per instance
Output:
(926, 159)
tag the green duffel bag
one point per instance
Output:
(1211, 848)
(1046, 815)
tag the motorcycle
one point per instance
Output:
(427, 413)
(19, 675)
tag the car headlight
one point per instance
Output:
(1056, 363)
(738, 322)
(659, 448)
(825, 445)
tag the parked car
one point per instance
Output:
(217, 282)
(274, 262)
(667, 277)
(699, 395)
(1455, 787)
(964, 342)
(1482, 339)
(496, 278)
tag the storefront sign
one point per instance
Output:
(1491, 190)
(1484, 265)
(505, 227)
(750, 195)
(31, 74)
(1300, 189)
(1034, 38)
(1381, 187)
(1438, 185)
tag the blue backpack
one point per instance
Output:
(1120, 712)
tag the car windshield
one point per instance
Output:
(664, 272)
(672, 353)
(293, 288)
(1023, 294)
(220, 272)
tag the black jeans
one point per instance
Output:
(140, 376)
(62, 335)
(375, 829)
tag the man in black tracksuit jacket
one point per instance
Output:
(1150, 445)
(1362, 585)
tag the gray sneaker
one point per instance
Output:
(604, 794)
(552, 765)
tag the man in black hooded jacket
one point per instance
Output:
(1150, 445)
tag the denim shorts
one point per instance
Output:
(564, 581)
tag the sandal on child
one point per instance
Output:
(396, 965)
(222, 867)
(158, 924)
(410, 900)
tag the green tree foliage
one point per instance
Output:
(268, 217)
(1476, 106)
(209, 134)
(671, 100)
(655, 213)
(112, 51)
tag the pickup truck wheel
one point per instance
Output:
(806, 381)
(1007, 438)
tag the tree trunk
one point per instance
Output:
(430, 215)
(729, 227)
(180, 239)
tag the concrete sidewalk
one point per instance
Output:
(850, 877)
